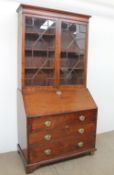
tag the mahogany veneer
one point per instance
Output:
(57, 115)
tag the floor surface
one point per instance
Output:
(101, 163)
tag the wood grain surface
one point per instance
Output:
(46, 103)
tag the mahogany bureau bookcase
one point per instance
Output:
(56, 113)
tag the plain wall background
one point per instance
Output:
(100, 79)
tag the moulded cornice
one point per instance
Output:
(90, 7)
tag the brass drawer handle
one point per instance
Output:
(47, 137)
(81, 130)
(82, 118)
(66, 126)
(58, 92)
(47, 123)
(80, 144)
(47, 152)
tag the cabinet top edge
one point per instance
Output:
(23, 7)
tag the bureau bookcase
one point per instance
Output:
(56, 113)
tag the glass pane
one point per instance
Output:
(72, 53)
(39, 51)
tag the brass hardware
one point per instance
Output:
(66, 126)
(81, 130)
(80, 144)
(58, 92)
(82, 118)
(47, 123)
(47, 137)
(47, 152)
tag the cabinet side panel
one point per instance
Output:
(19, 49)
(20, 63)
(22, 124)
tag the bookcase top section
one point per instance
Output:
(29, 8)
(43, 103)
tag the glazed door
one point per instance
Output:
(40, 36)
(73, 51)
(55, 52)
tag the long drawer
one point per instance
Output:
(50, 150)
(57, 121)
(65, 131)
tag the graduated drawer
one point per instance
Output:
(57, 121)
(65, 131)
(63, 147)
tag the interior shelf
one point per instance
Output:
(38, 34)
(49, 68)
(77, 68)
(39, 50)
(74, 52)
(43, 68)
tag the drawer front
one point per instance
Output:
(60, 148)
(56, 121)
(65, 131)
